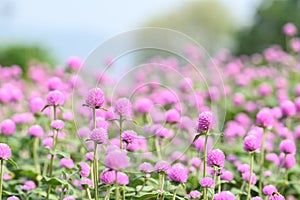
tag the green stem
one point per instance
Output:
(145, 181)
(262, 160)
(123, 193)
(281, 165)
(35, 155)
(174, 194)
(219, 181)
(95, 170)
(1, 178)
(158, 148)
(205, 193)
(162, 184)
(205, 155)
(250, 178)
(121, 130)
(117, 187)
(213, 194)
(88, 193)
(107, 194)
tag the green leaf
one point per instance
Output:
(13, 163)
(196, 137)
(52, 181)
(105, 109)
(60, 153)
(46, 106)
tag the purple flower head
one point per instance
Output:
(48, 142)
(226, 176)
(129, 136)
(95, 98)
(36, 131)
(287, 146)
(84, 169)
(243, 168)
(172, 116)
(74, 63)
(251, 143)
(5, 151)
(162, 166)
(246, 177)
(289, 29)
(224, 195)
(178, 173)
(54, 83)
(99, 135)
(13, 198)
(269, 189)
(216, 158)
(108, 177)
(67, 163)
(289, 161)
(86, 182)
(288, 108)
(207, 182)
(146, 167)
(206, 122)
(69, 198)
(28, 185)
(123, 107)
(162, 132)
(36, 104)
(57, 124)
(143, 105)
(256, 198)
(194, 194)
(8, 127)
(265, 118)
(122, 178)
(116, 160)
(276, 196)
(55, 98)
(196, 162)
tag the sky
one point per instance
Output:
(73, 27)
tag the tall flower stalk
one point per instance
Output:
(251, 172)
(5, 154)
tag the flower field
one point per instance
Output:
(226, 130)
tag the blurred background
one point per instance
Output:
(51, 31)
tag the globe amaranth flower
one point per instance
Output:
(55, 98)
(224, 195)
(265, 118)
(122, 178)
(162, 166)
(146, 167)
(84, 169)
(143, 105)
(129, 136)
(36, 104)
(194, 194)
(36, 131)
(269, 189)
(162, 132)
(74, 63)
(287, 146)
(5, 151)
(28, 185)
(86, 183)
(251, 143)
(108, 177)
(57, 124)
(172, 116)
(123, 107)
(226, 176)
(216, 158)
(13, 198)
(116, 160)
(99, 135)
(207, 182)
(288, 108)
(246, 177)
(95, 98)
(243, 168)
(206, 122)
(178, 173)
(289, 29)
(69, 198)
(8, 127)
(195, 162)
(67, 163)
(288, 161)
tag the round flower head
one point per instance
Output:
(227, 176)
(13, 198)
(288, 108)
(28, 185)
(289, 29)
(99, 135)
(54, 83)
(129, 136)
(243, 168)
(123, 107)
(55, 98)
(246, 177)
(117, 160)
(36, 131)
(162, 132)
(195, 162)
(287, 146)
(162, 166)
(57, 124)
(8, 127)
(108, 177)
(256, 198)
(251, 143)
(172, 116)
(207, 182)
(216, 158)
(95, 98)
(264, 118)
(122, 178)
(206, 122)
(67, 163)
(224, 195)
(143, 105)
(178, 173)
(86, 183)
(146, 167)
(5, 151)
(84, 169)
(194, 194)
(74, 63)
(269, 190)
(289, 161)
(69, 198)
(36, 105)
(276, 196)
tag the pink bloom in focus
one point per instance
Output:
(129, 136)
(162, 166)
(5, 151)
(55, 98)
(194, 194)
(84, 169)
(206, 122)
(216, 158)
(95, 98)
(108, 177)
(207, 182)
(224, 195)
(57, 124)
(251, 143)
(178, 173)
(264, 118)
(99, 135)
(269, 189)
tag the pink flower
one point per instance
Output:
(162, 132)
(57, 124)
(172, 116)
(207, 182)
(99, 135)
(55, 98)
(178, 173)
(36, 131)
(129, 136)
(117, 160)
(55, 83)
(67, 163)
(74, 63)
(123, 107)
(256, 198)
(28, 185)
(196, 162)
(227, 176)
(5, 151)
(289, 161)
(13, 198)
(288, 108)
(84, 169)
(8, 127)
(194, 194)
(95, 98)
(246, 177)
(36, 105)
(206, 122)
(162, 166)
(69, 198)
(216, 158)
(48, 142)
(289, 29)
(264, 118)
(287, 146)
(251, 143)
(146, 167)
(243, 168)
(122, 178)
(143, 105)
(86, 182)
(108, 177)
(269, 189)
(186, 85)
(224, 195)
